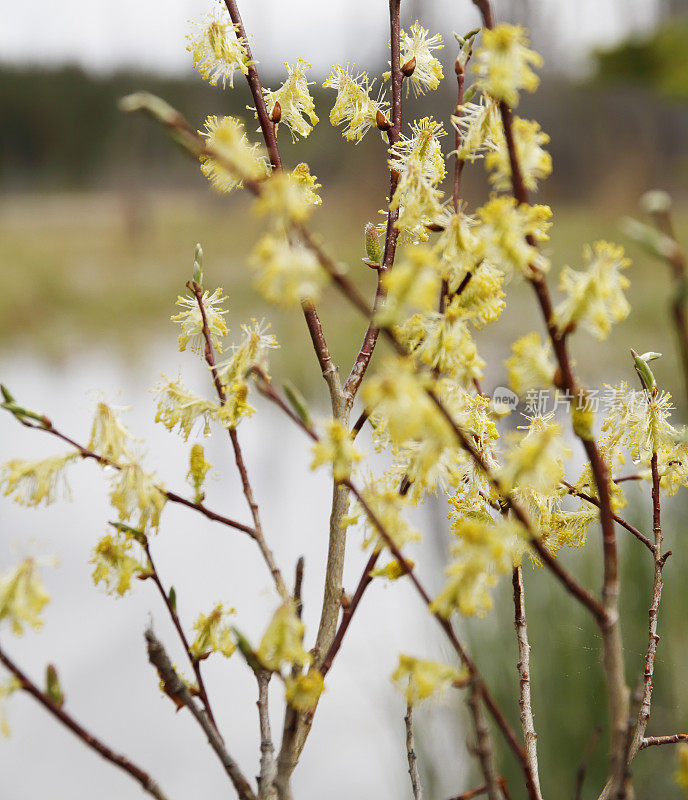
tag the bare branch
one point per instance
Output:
(266, 552)
(656, 741)
(27, 685)
(612, 646)
(411, 755)
(583, 768)
(268, 767)
(483, 744)
(85, 453)
(171, 610)
(653, 638)
(523, 666)
(619, 520)
(176, 689)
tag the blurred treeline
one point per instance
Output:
(612, 136)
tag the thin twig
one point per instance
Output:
(285, 762)
(460, 650)
(523, 666)
(258, 535)
(653, 615)
(583, 768)
(655, 741)
(483, 744)
(268, 130)
(411, 754)
(471, 793)
(349, 611)
(677, 262)
(619, 520)
(612, 645)
(177, 689)
(171, 610)
(365, 353)
(27, 685)
(86, 454)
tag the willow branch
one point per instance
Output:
(171, 610)
(27, 685)
(617, 689)
(177, 689)
(460, 650)
(619, 520)
(267, 128)
(285, 759)
(365, 353)
(483, 744)
(365, 581)
(490, 703)
(268, 767)
(266, 125)
(653, 615)
(258, 535)
(656, 741)
(523, 666)
(677, 262)
(87, 454)
(411, 755)
(583, 768)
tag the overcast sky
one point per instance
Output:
(102, 35)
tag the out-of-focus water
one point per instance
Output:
(356, 747)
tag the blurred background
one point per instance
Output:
(99, 215)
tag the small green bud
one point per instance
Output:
(52, 686)
(151, 104)
(6, 394)
(644, 371)
(134, 533)
(650, 356)
(650, 239)
(466, 43)
(298, 402)
(469, 94)
(198, 265)
(172, 597)
(372, 244)
(247, 651)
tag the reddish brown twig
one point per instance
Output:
(266, 126)
(370, 338)
(656, 741)
(618, 693)
(258, 535)
(268, 130)
(447, 627)
(583, 768)
(178, 691)
(471, 793)
(141, 777)
(85, 453)
(349, 611)
(653, 616)
(677, 262)
(171, 610)
(619, 520)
